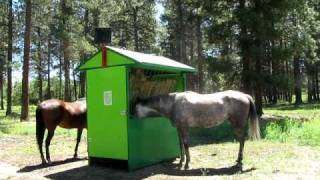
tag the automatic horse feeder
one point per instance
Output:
(115, 78)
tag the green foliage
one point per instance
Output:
(298, 124)
(305, 133)
(224, 70)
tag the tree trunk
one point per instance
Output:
(66, 70)
(40, 94)
(190, 76)
(259, 56)
(274, 71)
(26, 58)
(1, 84)
(48, 69)
(180, 33)
(96, 17)
(297, 79)
(135, 29)
(258, 88)
(75, 86)
(288, 73)
(60, 77)
(317, 83)
(310, 87)
(83, 57)
(183, 34)
(82, 92)
(66, 54)
(314, 88)
(244, 48)
(9, 63)
(200, 56)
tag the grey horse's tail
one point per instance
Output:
(254, 129)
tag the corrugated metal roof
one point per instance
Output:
(151, 59)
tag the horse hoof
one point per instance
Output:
(43, 161)
(186, 167)
(238, 166)
(75, 157)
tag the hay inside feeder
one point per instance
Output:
(146, 83)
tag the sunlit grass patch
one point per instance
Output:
(302, 132)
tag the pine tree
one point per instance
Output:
(26, 59)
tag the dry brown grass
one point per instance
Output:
(262, 160)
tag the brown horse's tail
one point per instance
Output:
(40, 128)
(254, 129)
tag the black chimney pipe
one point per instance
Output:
(102, 36)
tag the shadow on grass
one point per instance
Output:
(90, 172)
(55, 163)
(219, 134)
(224, 133)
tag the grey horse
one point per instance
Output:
(190, 109)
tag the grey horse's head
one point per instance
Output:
(144, 107)
(153, 106)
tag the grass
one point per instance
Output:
(299, 124)
(11, 125)
(290, 148)
(20, 142)
(304, 131)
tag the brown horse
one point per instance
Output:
(190, 109)
(52, 113)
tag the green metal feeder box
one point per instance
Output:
(115, 78)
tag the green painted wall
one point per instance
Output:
(180, 86)
(107, 124)
(151, 140)
(113, 59)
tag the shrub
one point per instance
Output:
(287, 130)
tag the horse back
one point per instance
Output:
(209, 110)
(65, 114)
(74, 115)
(51, 112)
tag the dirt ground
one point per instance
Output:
(19, 159)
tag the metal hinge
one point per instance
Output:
(123, 113)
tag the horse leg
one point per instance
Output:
(182, 151)
(40, 130)
(41, 154)
(78, 141)
(48, 140)
(40, 143)
(241, 137)
(185, 138)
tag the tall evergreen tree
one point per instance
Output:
(26, 59)
(9, 56)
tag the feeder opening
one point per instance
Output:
(146, 83)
